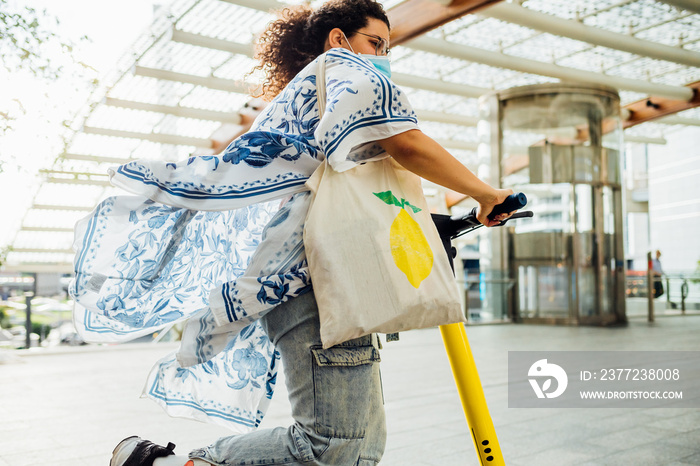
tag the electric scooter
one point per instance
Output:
(454, 336)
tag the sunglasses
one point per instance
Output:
(381, 47)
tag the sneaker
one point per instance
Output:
(134, 451)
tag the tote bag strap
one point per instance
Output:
(321, 98)
(321, 85)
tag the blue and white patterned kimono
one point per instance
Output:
(218, 240)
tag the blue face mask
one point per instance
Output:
(380, 62)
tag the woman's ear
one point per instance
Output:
(336, 38)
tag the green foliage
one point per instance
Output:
(697, 273)
(41, 329)
(4, 251)
(23, 37)
(28, 43)
(4, 318)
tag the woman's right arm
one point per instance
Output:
(426, 158)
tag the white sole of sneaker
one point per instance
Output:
(122, 451)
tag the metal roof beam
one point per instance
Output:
(677, 120)
(260, 5)
(183, 112)
(235, 48)
(459, 145)
(500, 60)
(454, 119)
(53, 267)
(95, 158)
(401, 79)
(51, 171)
(48, 229)
(413, 18)
(55, 180)
(434, 85)
(210, 82)
(645, 140)
(449, 118)
(73, 208)
(689, 5)
(513, 13)
(153, 137)
(473, 146)
(409, 19)
(43, 250)
(652, 108)
(69, 177)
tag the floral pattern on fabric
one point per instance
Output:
(247, 367)
(210, 241)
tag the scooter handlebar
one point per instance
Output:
(459, 223)
(512, 202)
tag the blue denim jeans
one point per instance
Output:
(335, 393)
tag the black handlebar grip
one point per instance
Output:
(512, 202)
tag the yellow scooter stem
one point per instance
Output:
(472, 394)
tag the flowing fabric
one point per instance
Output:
(217, 241)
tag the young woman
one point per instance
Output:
(209, 240)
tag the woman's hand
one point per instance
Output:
(487, 203)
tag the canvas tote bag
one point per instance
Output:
(375, 257)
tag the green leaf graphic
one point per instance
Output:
(414, 208)
(389, 198)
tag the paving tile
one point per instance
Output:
(624, 439)
(63, 456)
(685, 438)
(681, 423)
(80, 403)
(450, 450)
(654, 454)
(624, 420)
(669, 412)
(539, 442)
(692, 459)
(558, 456)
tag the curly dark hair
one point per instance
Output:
(299, 34)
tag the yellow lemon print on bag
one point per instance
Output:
(409, 247)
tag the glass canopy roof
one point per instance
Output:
(186, 80)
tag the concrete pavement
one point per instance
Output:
(71, 406)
